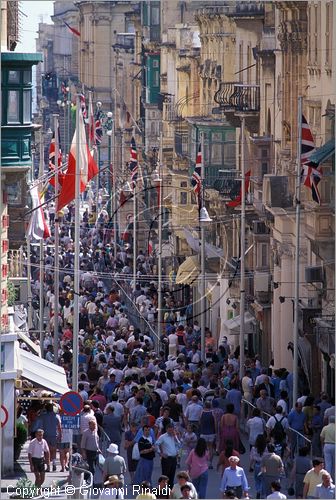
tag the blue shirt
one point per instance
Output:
(296, 420)
(234, 396)
(234, 477)
(169, 444)
(324, 492)
(109, 389)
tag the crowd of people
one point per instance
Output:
(143, 403)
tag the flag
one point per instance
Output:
(150, 247)
(133, 164)
(83, 105)
(38, 228)
(98, 129)
(52, 161)
(88, 167)
(196, 179)
(73, 30)
(91, 123)
(311, 173)
(237, 201)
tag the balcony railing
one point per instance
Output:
(248, 9)
(238, 97)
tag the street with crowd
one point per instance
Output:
(144, 405)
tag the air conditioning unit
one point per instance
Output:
(259, 227)
(275, 191)
(261, 282)
(314, 274)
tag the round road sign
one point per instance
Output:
(71, 403)
(3, 415)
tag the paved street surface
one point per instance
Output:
(212, 490)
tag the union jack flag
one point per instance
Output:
(196, 180)
(133, 164)
(311, 173)
(98, 130)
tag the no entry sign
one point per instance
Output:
(3, 415)
(71, 403)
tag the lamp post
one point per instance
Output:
(157, 182)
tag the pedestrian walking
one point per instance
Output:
(198, 465)
(39, 457)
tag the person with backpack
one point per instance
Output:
(276, 428)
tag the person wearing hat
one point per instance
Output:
(114, 464)
(112, 488)
(234, 478)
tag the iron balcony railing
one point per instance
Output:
(238, 97)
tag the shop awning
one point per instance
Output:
(188, 271)
(323, 153)
(33, 347)
(232, 326)
(42, 372)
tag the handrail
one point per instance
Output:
(243, 400)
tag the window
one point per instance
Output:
(216, 154)
(156, 79)
(155, 15)
(27, 102)
(27, 76)
(183, 184)
(13, 76)
(13, 115)
(156, 63)
(183, 198)
(262, 255)
(264, 168)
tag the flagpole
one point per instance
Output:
(41, 288)
(56, 241)
(134, 228)
(297, 256)
(30, 312)
(76, 264)
(203, 303)
(242, 253)
(159, 308)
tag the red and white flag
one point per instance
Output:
(38, 228)
(238, 199)
(88, 167)
(52, 162)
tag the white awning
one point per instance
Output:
(42, 372)
(232, 326)
(33, 347)
(188, 271)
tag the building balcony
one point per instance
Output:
(246, 10)
(238, 100)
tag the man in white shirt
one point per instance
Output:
(193, 412)
(278, 417)
(276, 487)
(38, 455)
(173, 341)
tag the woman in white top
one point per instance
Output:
(255, 426)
